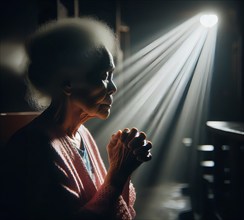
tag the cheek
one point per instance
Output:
(97, 93)
(90, 96)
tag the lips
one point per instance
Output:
(108, 102)
(106, 105)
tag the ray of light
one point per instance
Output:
(164, 91)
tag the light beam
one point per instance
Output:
(163, 89)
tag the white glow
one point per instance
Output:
(13, 56)
(208, 163)
(209, 20)
(206, 148)
(187, 142)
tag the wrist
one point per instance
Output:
(116, 180)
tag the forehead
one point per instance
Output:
(96, 63)
(103, 60)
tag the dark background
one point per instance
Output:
(137, 23)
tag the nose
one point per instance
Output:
(111, 88)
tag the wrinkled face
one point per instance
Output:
(93, 94)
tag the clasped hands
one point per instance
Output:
(127, 150)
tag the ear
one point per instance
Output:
(67, 88)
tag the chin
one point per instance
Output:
(104, 115)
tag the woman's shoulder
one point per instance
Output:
(28, 137)
(29, 131)
(27, 147)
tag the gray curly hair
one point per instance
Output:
(60, 45)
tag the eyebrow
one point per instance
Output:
(110, 67)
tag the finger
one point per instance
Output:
(143, 149)
(131, 135)
(144, 158)
(115, 137)
(125, 134)
(138, 141)
(118, 134)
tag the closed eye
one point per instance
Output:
(111, 74)
(105, 76)
(108, 75)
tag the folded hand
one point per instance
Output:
(127, 150)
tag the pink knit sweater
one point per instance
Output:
(93, 195)
(45, 178)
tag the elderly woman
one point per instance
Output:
(52, 168)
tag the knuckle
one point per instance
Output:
(142, 134)
(149, 145)
(134, 130)
(126, 130)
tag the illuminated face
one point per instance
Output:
(94, 93)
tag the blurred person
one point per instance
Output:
(52, 168)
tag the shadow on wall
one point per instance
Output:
(12, 92)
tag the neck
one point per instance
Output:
(67, 117)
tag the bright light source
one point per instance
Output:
(208, 20)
